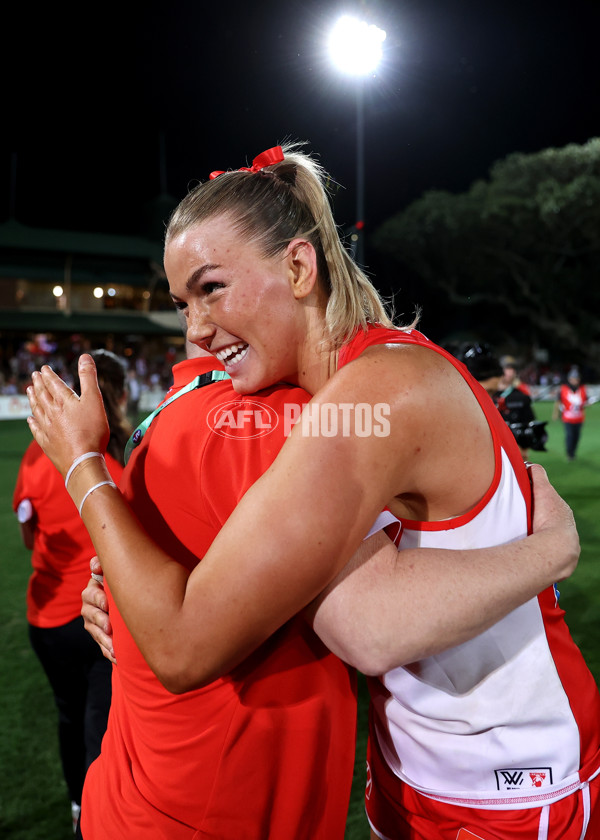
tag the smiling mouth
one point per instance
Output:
(232, 355)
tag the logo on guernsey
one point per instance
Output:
(523, 778)
(369, 783)
(247, 419)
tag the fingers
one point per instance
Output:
(94, 596)
(544, 491)
(96, 570)
(537, 473)
(102, 639)
(36, 421)
(108, 655)
(95, 566)
(65, 425)
(46, 393)
(34, 394)
(551, 511)
(95, 618)
(49, 389)
(53, 384)
(88, 377)
(34, 428)
(546, 501)
(554, 516)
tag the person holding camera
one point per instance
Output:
(515, 405)
(512, 402)
(511, 376)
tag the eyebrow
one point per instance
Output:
(197, 275)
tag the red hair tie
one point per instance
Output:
(268, 158)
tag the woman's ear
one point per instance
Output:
(302, 267)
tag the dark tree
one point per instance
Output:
(525, 244)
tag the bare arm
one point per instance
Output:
(377, 614)
(194, 627)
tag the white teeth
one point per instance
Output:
(232, 354)
(238, 356)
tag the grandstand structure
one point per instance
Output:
(59, 287)
(69, 282)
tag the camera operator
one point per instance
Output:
(513, 404)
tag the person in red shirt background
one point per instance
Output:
(61, 549)
(572, 398)
(510, 376)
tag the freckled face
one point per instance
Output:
(238, 304)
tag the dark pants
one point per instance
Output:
(572, 434)
(80, 678)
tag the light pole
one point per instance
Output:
(355, 47)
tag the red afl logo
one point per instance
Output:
(242, 419)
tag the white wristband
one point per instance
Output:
(108, 482)
(78, 461)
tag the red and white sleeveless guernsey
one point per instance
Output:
(511, 718)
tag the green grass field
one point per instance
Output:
(33, 798)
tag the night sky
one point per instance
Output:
(104, 108)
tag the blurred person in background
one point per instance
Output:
(61, 548)
(511, 398)
(134, 393)
(570, 404)
(510, 376)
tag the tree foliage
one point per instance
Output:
(525, 242)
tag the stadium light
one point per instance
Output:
(355, 47)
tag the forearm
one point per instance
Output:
(192, 628)
(284, 542)
(147, 585)
(398, 607)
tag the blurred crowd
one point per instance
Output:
(149, 369)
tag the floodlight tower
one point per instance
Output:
(355, 47)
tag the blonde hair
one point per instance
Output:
(272, 207)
